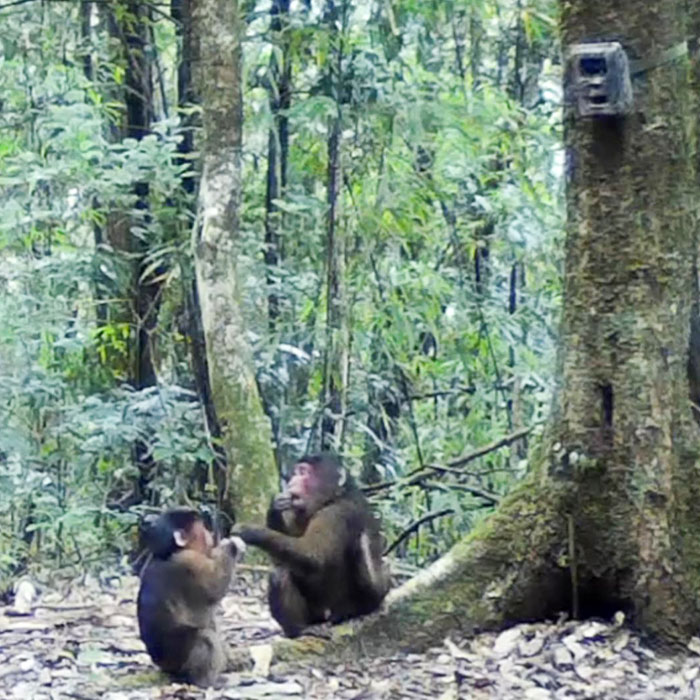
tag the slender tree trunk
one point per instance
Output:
(139, 110)
(516, 87)
(187, 99)
(518, 449)
(476, 31)
(336, 357)
(337, 352)
(101, 281)
(128, 24)
(280, 90)
(86, 36)
(245, 430)
(383, 398)
(278, 148)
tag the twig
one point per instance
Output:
(471, 456)
(415, 525)
(420, 473)
(438, 393)
(491, 497)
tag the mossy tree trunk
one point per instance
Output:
(251, 476)
(610, 515)
(624, 433)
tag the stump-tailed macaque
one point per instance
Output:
(181, 586)
(326, 545)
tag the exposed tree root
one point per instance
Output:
(511, 568)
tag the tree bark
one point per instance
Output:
(608, 518)
(624, 438)
(245, 430)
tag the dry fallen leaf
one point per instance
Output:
(25, 595)
(507, 641)
(262, 658)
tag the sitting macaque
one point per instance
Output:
(326, 546)
(181, 586)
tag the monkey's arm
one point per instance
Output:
(292, 552)
(307, 554)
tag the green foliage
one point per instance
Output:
(450, 208)
(439, 171)
(69, 426)
(67, 469)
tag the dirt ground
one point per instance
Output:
(82, 642)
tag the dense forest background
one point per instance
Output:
(399, 259)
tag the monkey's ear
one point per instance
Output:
(342, 477)
(180, 537)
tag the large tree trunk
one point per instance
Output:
(609, 517)
(624, 426)
(245, 430)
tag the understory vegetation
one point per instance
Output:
(417, 320)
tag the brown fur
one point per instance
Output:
(180, 590)
(327, 549)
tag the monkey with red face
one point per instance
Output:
(326, 545)
(180, 588)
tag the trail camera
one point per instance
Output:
(599, 79)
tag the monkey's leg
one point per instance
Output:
(207, 660)
(287, 604)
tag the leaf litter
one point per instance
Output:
(82, 642)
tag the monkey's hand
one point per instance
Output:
(234, 545)
(282, 501)
(281, 515)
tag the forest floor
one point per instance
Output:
(82, 642)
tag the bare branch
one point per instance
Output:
(486, 495)
(415, 525)
(489, 448)
(418, 475)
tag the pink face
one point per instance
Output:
(303, 484)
